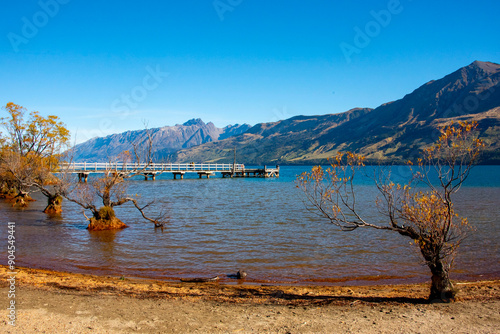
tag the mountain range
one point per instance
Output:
(393, 132)
(166, 140)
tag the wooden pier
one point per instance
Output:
(254, 172)
(151, 170)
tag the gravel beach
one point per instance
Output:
(56, 302)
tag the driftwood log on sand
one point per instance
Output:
(200, 279)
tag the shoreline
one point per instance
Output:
(59, 302)
(229, 279)
(46, 279)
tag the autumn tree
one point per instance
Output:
(30, 153)
(424, 214)
(101, 195)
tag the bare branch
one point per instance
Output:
(158, 223)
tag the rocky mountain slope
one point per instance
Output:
(393, 132)
(166, 140)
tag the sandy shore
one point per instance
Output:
(55, 302)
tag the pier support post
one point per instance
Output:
(149, 175)
(83, 177)
(181, 175)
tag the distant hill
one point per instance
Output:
(391, 133)
(166, 140)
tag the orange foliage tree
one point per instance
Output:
(30, 153)
(428, 216)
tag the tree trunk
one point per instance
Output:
(105, 224)
(21, 200)
(8, 192)
(105, 219)
(441, 287)
(54, 204)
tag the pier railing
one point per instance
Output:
(151, 170)
(100, 167)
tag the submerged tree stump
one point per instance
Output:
(102, 224)
(21, 200)
(54, 205)
(105, 219)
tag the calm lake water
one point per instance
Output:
(218, 226)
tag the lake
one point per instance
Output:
(217, 226)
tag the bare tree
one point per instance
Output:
(426, 216)
(110, 189)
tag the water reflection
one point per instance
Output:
(102, 245)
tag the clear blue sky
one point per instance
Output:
(102, 66)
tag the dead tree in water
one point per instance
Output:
(110, 190)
